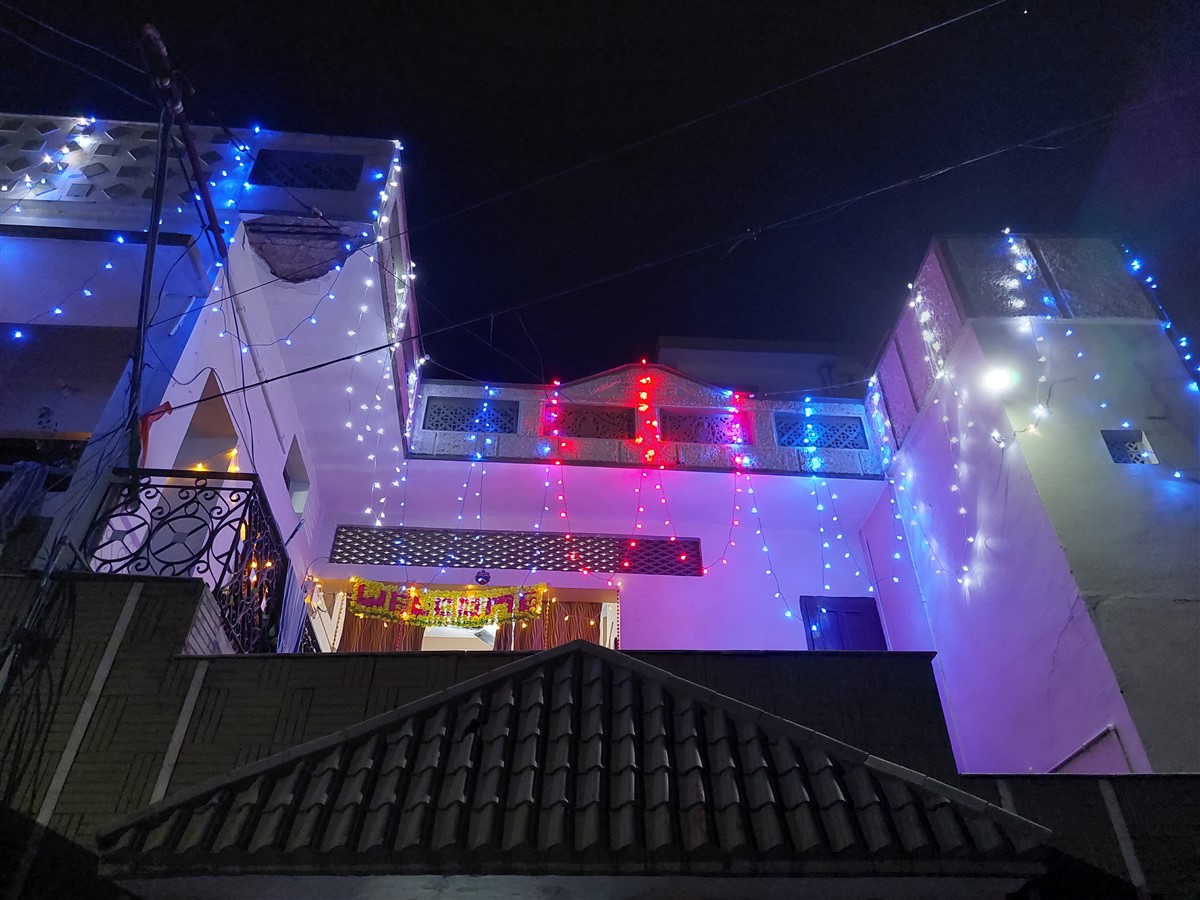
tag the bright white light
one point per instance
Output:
(998, 380)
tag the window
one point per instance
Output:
(468, 414)
(301, 169)
(295, 476)
(548, 551)
(704, 427)
(842, 623)
(580, 420)
(826, 432)
(1129, 446)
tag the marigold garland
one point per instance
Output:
(415, 604)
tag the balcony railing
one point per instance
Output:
(214, 526)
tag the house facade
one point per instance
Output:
(1010, 488)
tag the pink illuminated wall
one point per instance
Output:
(733, 607)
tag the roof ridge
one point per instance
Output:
(358, 729)
(773, 724)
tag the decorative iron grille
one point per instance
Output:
(581, 420)
(471, 414)
(826, 432)
(1129, 446)
(213, 526)
(704, 427)
(303, 169)
(520, 550)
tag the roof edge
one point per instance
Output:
(768, 721)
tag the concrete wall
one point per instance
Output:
(1025, 679)
(665, 390)
(733, 607)
(1130, 532)
(265, 419)
(46, 378)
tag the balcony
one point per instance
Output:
(214, 526)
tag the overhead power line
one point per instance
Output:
(712, 245)
(76, 67)
(72, 38)
(683, 126)
(641, 142)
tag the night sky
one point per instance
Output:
(489, 96)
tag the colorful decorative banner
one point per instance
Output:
(415, 604)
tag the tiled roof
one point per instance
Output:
(575, 760)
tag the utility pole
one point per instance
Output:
(158, 67)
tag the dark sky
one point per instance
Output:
(489, 96)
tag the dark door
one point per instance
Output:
(842, 623)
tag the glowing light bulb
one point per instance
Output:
(999, 380)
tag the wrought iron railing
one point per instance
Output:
(215, 526)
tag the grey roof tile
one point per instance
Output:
(482, 827)
(201, 821)
(768, 835)
(656, 789)
(311, 809)
(238, 815)
(575, 757)
(277, 809)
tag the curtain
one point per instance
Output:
(407, 637)
(572, 621)
(511, 636)
(291, 619)
(367, 635)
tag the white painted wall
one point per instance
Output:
(1131, 533)
(1024, 677)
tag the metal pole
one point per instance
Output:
(139, 350)
(159, 69)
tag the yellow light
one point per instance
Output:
(200, 467)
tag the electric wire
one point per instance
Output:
(752, 233)
(72, 38)
(76, 66)
(683, 126)
(638, 143)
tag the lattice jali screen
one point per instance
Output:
(302, 169)
(580, 420)
(703, 427)
(471, 414)
(551, 552)
(827, 432)
(1129, 446)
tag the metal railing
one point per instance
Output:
(215, 526)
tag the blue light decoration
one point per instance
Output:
(1180, 341)
(18, 334)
